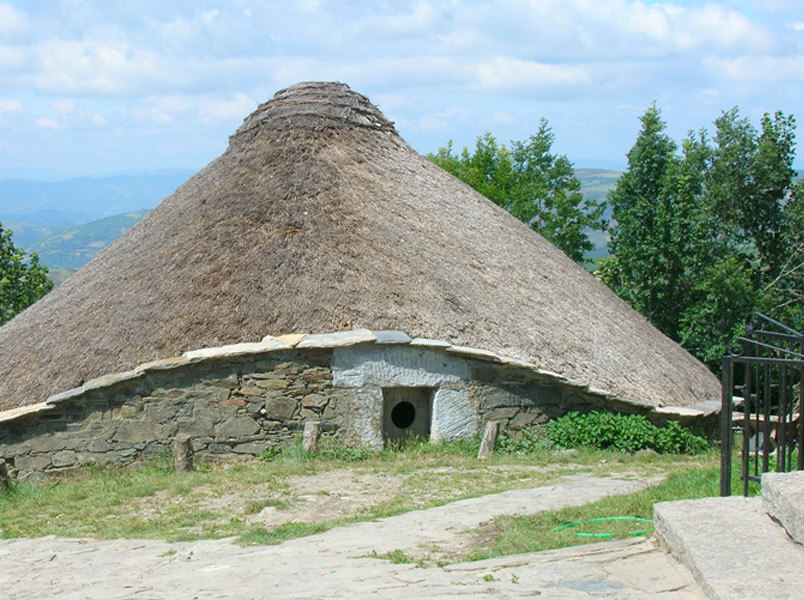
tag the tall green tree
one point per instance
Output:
(533, 184)
(702, 237)
(22, 279)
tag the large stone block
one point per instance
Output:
(65, 458)
(48, 443)
(134, 431)
(31, 462)
(783, 499)
(454, 416)
(280, 408)
(237, 427)
(395, 366)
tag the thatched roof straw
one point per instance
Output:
(319, 217)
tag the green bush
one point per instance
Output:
(627, 433)
(527, 441)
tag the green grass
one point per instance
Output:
(153, 502)
(555, 529)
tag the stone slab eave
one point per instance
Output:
(345, 339)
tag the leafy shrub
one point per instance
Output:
(527, 441)
(627, 433)
(674, 439)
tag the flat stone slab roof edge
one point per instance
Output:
(339, 339)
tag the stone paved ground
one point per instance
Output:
(338, 563)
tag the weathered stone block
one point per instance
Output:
(253, 448)
(229, 382)
(395, 365)
(134, 432)
(237, 427)
(127, 411)
(314, 401)
(196, 426)
(48, 443)
(32, 462)
(338, 339)
(280, 408)
(99, 446)
(250, 390)
(271, 384)
(65, 458)
(501, 414)
(453, 415)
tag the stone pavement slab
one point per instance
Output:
(783, 499)
(732, 547)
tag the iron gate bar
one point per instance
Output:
(771, 424)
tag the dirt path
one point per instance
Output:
(338, 563)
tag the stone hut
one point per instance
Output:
(319, 218)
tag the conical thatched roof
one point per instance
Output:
(319, 217)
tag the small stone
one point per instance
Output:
(250, 390)
(271, 384)
(314, 401)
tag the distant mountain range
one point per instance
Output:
(68, 222)
(85, 199)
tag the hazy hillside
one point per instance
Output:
(77, 201)
(596, 184)
(74, 247)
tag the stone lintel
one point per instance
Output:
(65, 395)
(427, 343)
(679, 411)
(475, 353)
(267, 344)
(165, 364)
(337, 339)
(291, 339)
(14, 413)
(389, 336)
(110, 379)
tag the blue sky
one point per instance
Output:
(94, 87)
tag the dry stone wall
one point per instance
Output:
(238, 401)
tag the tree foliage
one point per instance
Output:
(536, 186)
(703, 235)
(22, 281)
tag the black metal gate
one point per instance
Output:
(763, 394)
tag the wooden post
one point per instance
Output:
(5, 478)
(312, 433)
(183, 453)
(489, 438)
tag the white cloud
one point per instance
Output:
(46, 123)
(9, 106)
(506, 73)
(760, 69)
(226, 110)
(63, 106)
(12, 21)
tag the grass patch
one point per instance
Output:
(553, 529)
(213, 502)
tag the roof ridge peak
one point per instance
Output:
(313, 105)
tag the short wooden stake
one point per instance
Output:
(183, 453)
(489, 438)
(5, 478)
(312, 433)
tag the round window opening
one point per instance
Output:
(403, 415)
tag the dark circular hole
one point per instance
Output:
(403, 415)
